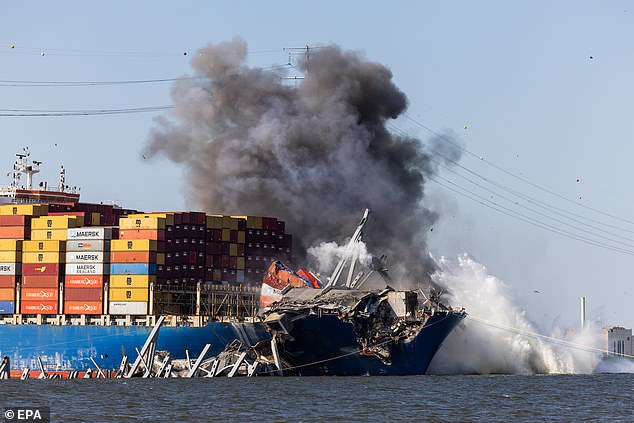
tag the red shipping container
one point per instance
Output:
(83, 294)
(39, 294)
(15, 232)
(133, 257)
(38, 307)
(233, 262)
(156, 234)
(240, 250)
(9, 281)
(41, 269)
(15, 220)
(40, 281)
(83, 307)
(84, 281)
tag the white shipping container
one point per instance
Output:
(128, 307)
(87, 257)
(88, 245)
(84, 268)
(90, 232)
(10, 269)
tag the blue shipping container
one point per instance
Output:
(133, 268)
(7, 307)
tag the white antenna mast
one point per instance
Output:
(22, 166)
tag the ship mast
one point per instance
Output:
(22, 166)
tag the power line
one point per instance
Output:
(82, 112)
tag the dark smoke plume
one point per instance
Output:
(314, 154)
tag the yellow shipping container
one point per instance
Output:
(10, 244)
(24, 209)
(133, 245)
(214, 221)
(57, 222)
(241, 237)
(240, 265)
(95, 219)
(43, 257)
(14, 256)
(131, 281)
(169, 217)
(254, 222)
(43, 246)
(145, 222)
(129, 294)
(226, 235)
(233, 249)
(48, 234)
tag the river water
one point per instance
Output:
(564, 398)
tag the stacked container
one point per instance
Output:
(185, 250)
(266, 241)
(15, 226)
(133, 262)
(43, 259)
(87, 269)
(10, 268)
(225, 259)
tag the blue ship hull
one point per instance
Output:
(327, 345)
(71, 347)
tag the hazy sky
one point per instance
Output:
(539, 94)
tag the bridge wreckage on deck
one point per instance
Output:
(340, 329)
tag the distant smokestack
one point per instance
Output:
(314, 154)
(583, 313)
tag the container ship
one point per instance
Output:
(82, 282)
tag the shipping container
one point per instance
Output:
(7, 307)
(41, 269)
(57, 222)
(48, 234)
(167, 217)
(38, 307)
(10, 268)
(137, 257)
(132, 268)
(214, 221)
(40, 281)
(233, 249)
(92, 233)
(154, 234)
(240, 263)
(131, 281)
(24, 209)
(84, 281)
(133, 245)
(147, 222)
(7, 294)
(254, 222)
(11, 244)
(86, 268)
(9, 281)
(129, 294)
(83, 307)
(15, 232)
(87, 257)
(88, 245)
(89, 219)
(39, 294)
(127, 307)
(10, 256)
(83, 294)
(44, 257)
(17, 220)
(43, 246)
